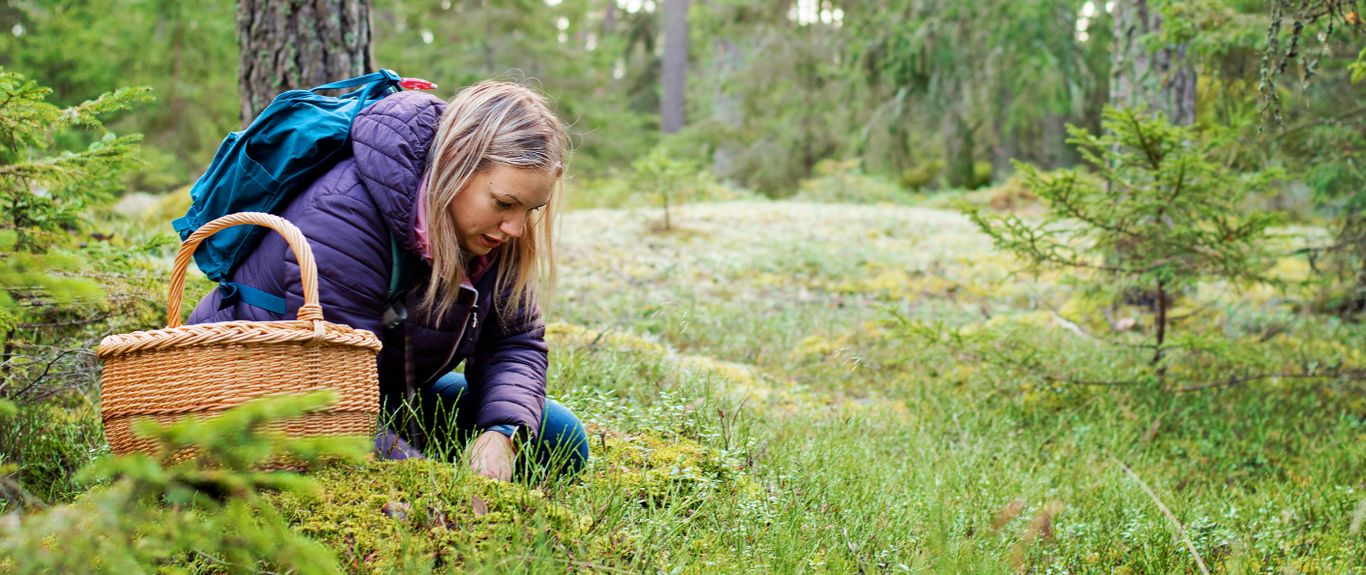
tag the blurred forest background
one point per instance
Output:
(1194, 168)
(926, 94)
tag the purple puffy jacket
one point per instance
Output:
(347, 216)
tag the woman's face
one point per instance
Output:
(496, 204)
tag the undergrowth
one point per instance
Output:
(763, 399)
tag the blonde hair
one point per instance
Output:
(493, 123)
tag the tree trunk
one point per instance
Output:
(298, 45)
(1163, 79)
(1007, 141)
(1056, 152)
(957, 148)
(726, 108)
(675, 71)
(609, 18)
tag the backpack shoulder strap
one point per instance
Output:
(395, 313)
(401, 267)
(234, 292)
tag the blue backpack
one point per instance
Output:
(297, 138)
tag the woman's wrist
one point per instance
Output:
(507, 429)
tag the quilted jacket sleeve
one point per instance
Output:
(508, 371)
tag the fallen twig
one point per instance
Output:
(1072, 326)
(1358, 518)
(1180, 529)
(46, 368)
(599, 337)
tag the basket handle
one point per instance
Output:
(311, 310)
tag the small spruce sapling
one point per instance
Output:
(45, 194)
(1168, 218)
(665, 176)
(208, 512)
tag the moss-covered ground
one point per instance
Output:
(762, 329)
(754, 407)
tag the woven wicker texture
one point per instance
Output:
(204, 369)
(313, 424)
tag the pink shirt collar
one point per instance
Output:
(420, 228)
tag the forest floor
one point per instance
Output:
(755, 407)
(756, 403)
(868, 452)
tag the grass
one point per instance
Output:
(753, 408)
(880, 457)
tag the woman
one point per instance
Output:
(468, 189)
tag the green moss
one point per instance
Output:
(659, 472)
(412, 515)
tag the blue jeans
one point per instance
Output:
(447, 411)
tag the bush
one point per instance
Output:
(46, 192)
(205, 512)
(922, 176)
(44, 292)
(981, 175)
(59, 276)
(844, 182)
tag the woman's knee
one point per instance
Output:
(563, 439)
(450, 386)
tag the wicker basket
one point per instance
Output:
(205, 369)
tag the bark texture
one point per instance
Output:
(299, 44)
(1164, 79)
(675, 70)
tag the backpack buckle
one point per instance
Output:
(394, 315)
(416, 84)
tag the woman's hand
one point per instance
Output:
(491, 455)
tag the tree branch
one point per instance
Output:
(47, 368)
(1349, 375)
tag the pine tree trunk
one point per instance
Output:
(675, 72)
(1007, 144)
(726, 109)
(299, 44)
(1163, 79)
(958, 146)
(1057, 152)
(609, 18)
